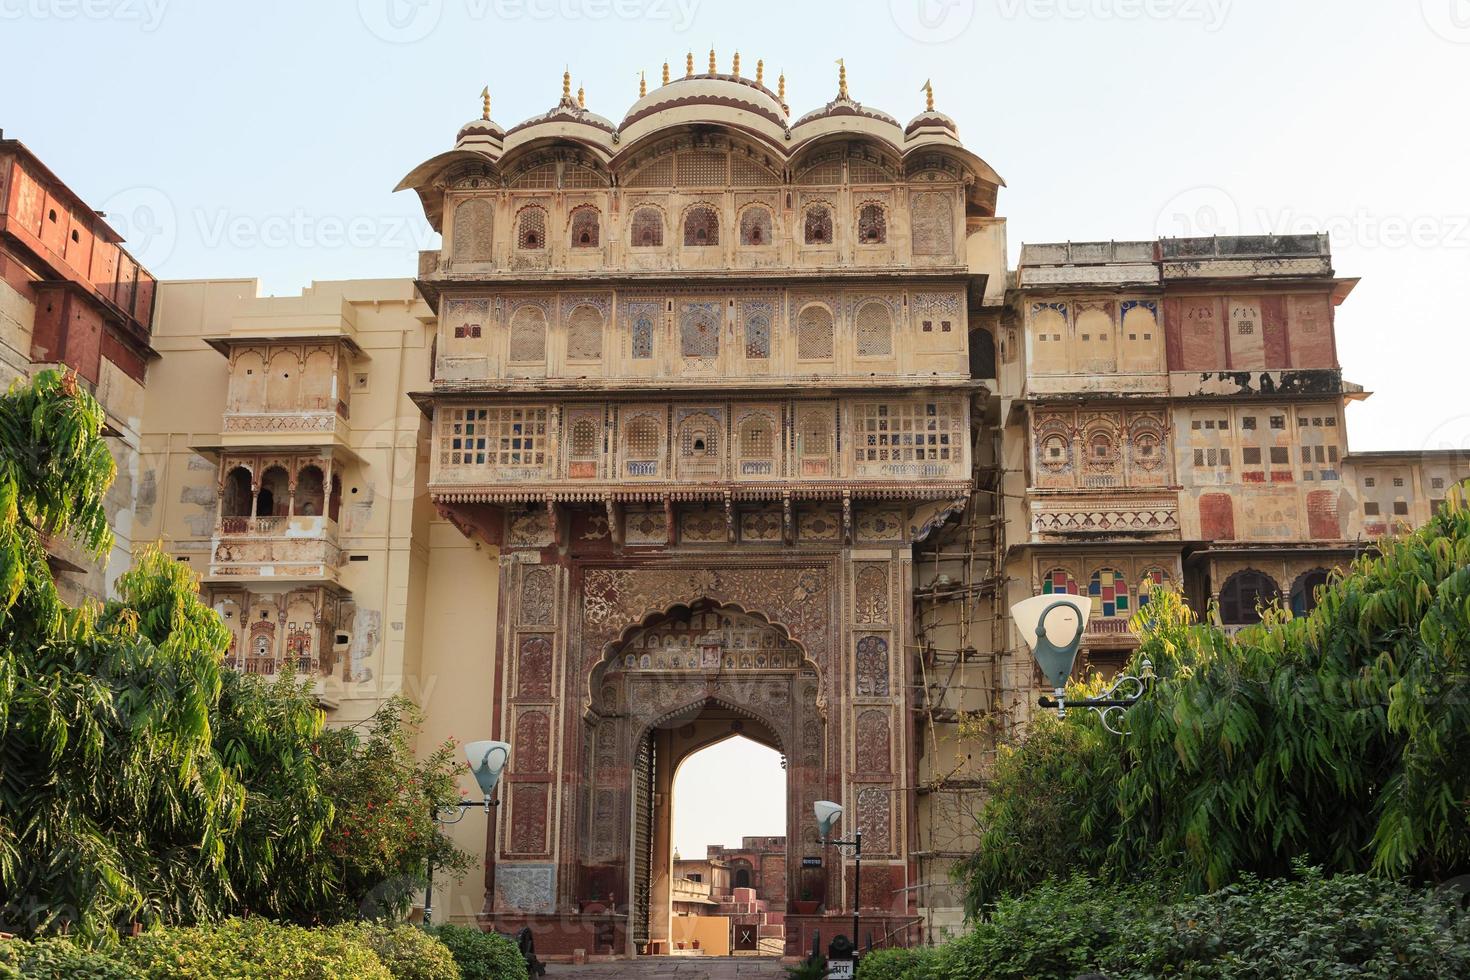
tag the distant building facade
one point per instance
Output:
(716, 422)
(72, 298)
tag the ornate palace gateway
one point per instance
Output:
(712, 422)
(704, 377)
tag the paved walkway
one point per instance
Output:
(674, 967)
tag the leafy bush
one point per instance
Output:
(254, 948)
(59, 959)
(1350, 925)
(1058, 929)
(482, 955)
(410, 953)
(1312, 927)
(915, 963)
(1337, 738)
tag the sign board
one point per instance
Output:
(840, 969)
(811, 862)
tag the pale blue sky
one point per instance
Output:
(728, 791)
(264, 138)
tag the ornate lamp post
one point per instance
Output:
(487, 761)
(1052, 626)
(827, 816)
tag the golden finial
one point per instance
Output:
(689, 65)
(712, 69)
(781, 90)
(642, 84)
(666, 73)
(485, 103)
(841, 79)
(760, 71)
(581, 97)
(735, 68)
(929, 95)
(566, 85)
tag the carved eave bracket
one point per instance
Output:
(482, 522)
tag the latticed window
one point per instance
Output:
(531, 229)
(874, 331)
(474, 230)
(757, 447)
(755, 226)
(528, 335)
(756, 319)
(648, 228)
(814, 443)
(699, 437)
(933, 223)
(814, 334)
(493, 437)
(585, 227)
(643, 336)
(584, 334)
(872, 225)
(702, 168)
(644, 437)
(701, 226)
(917, 432)
(699, 330)
(818, 225)
(583, 443)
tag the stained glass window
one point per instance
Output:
(1109, 592)
(1059, 581)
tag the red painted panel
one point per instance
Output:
(1273, 316)
(1217, 517)
(1200, 325)
(1323, 519)
(1173, 352)
(104, 268)
(78, 249)
(1310, 329)
(54, 221)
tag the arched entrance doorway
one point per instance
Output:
(679, 683)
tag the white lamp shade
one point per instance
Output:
(1060, 626)
(487, 762)
(827, 816)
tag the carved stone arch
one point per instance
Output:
(615, 644)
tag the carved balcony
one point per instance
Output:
(275, 548)
(286, 430)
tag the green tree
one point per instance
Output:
(1341, 738)
(142, 781)
(112, 802)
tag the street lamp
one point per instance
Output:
(827, 816)
(1052, 626)
(487, 761)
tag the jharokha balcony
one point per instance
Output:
(281, 525)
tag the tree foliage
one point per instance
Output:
(141, 780)
(1341, 737)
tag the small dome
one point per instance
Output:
(933, 121)
(719, 90)
(477, 130)
(846, 107)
